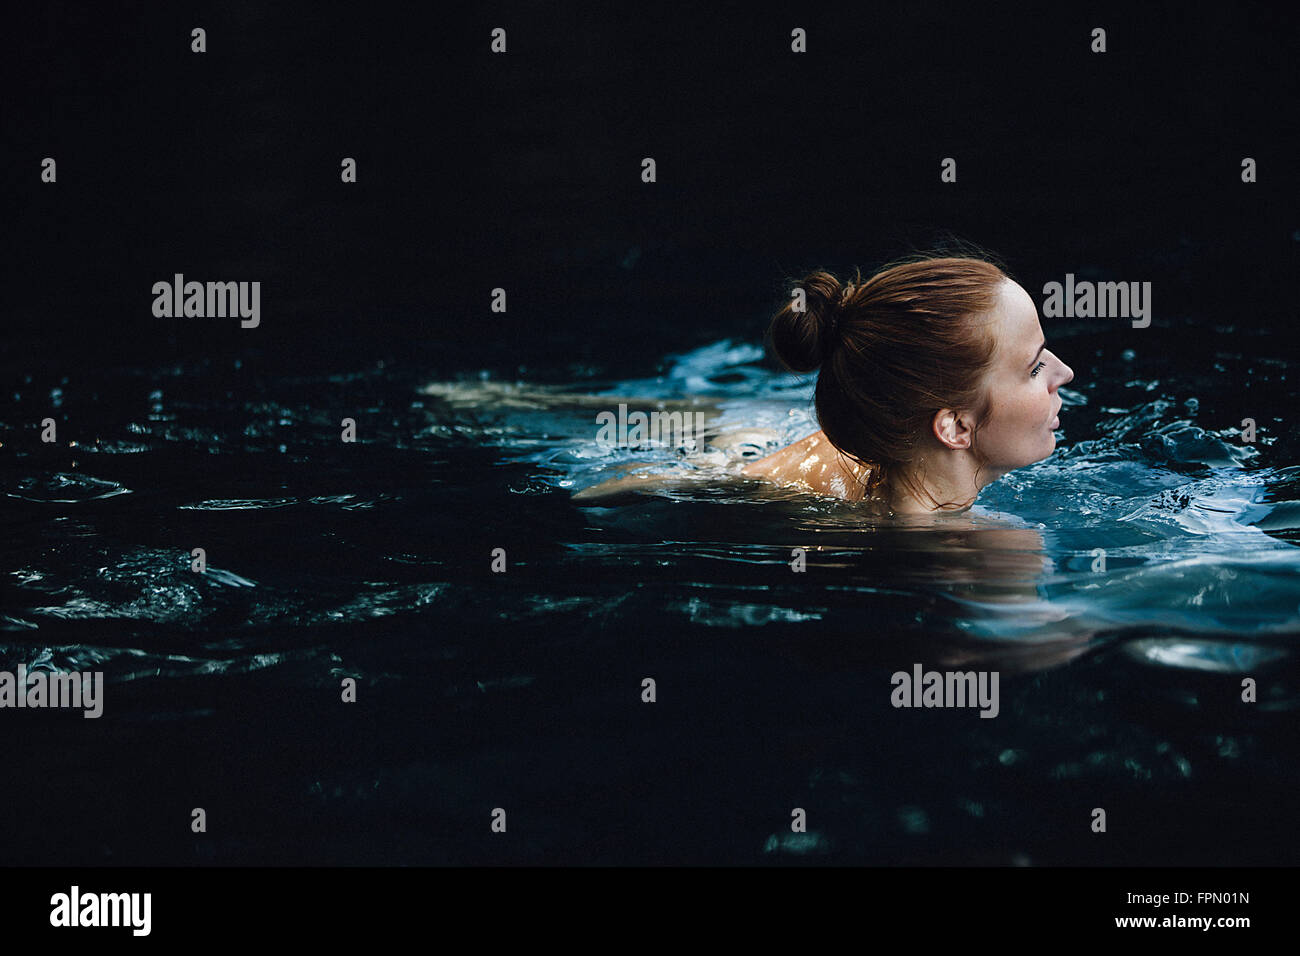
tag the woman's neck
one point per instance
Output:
(944, 481)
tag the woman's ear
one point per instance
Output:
(952, 428)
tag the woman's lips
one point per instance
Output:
(1056, 422)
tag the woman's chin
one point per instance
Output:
(1048, 448)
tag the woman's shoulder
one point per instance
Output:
(814, 464)
(783, 457)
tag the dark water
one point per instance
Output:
(521, 690)
(1120, 688)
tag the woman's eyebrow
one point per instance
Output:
(1039, 352)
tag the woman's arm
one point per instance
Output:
(616, 490)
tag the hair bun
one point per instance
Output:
(804, 339)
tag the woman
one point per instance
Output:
(934, 380)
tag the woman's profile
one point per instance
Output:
(933, 380)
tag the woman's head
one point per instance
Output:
(921, 374)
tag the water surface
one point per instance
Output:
(1120, 688)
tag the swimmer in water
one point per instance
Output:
(934, 380)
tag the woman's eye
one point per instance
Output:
(1034, 373)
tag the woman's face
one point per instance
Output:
(1023, 384)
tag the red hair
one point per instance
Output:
(892, 351)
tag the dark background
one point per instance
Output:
(523, 171)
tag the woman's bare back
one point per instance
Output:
(813, 463)
(810, 464)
